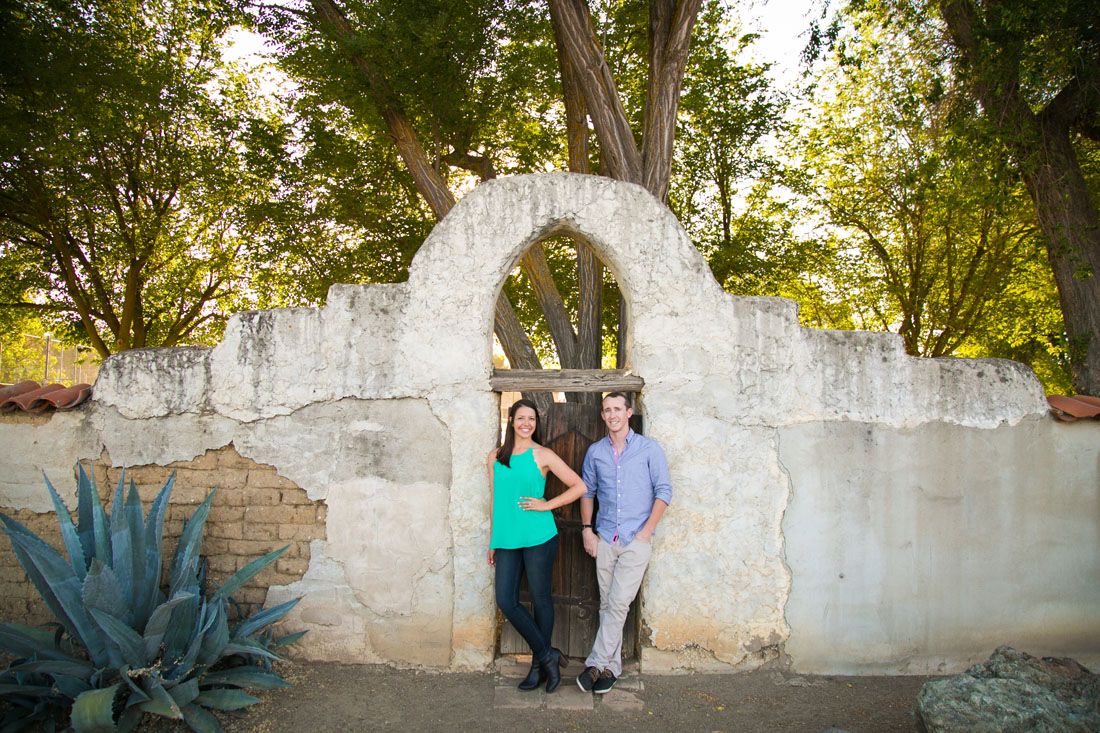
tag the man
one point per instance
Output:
(628, 473)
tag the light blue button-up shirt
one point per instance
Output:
(627, 488)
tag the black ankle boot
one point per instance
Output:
(549, 667)
(534, 677)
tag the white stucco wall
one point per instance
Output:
(379, 404)
(918, 550)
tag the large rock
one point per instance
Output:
(1013, 691)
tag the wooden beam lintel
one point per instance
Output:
(565, 380)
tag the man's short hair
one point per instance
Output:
(626, 399)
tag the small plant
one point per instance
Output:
(121, 646)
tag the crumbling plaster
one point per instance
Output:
(379, 403)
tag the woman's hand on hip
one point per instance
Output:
(533, 504)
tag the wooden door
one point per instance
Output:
(568, 430)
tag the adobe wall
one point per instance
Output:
(796, 456)
(254, 511)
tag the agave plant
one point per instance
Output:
(121, 646)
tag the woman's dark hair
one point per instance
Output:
(504, 452)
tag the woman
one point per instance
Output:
(523, 536)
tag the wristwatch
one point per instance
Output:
(588, 526)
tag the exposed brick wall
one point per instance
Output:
(254, 512)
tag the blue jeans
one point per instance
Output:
(538, 562)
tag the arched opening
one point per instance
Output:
(574, 319)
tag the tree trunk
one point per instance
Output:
(514, 341)
(1041, 145)
(589, 268)
(576, 115)
(1069, 223)
(670, 24)
(618, 150)
(517, 347)
(553, 308)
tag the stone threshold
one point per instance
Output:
(624, 697)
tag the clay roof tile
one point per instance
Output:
(70, 397)
(1069, 409)
(14, 390)
(31, 397)
(34, 401)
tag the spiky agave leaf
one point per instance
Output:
(124, 638)
(56, 584)
(185, 666)
(185, 563)
(157, 626)
(135, 520)
(242, 576)
(109, 601)
(182, 627)
(94, 710)
(69, 533)
(91, 519)
(159, 702)
(245, 676)
(258, 621)
(101, 530)
(216, 638)
(70, 687)
(137, 694)
(128, 545)
(201, 720)
(154, 532)
(86, 497)
(26, 642)
(102, 590)
(69, 668)
(286, 640)
(249, 647)
(26, 689)
(226, 699)
(185, 692)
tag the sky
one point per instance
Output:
(783, 26)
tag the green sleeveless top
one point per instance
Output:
(512, 527)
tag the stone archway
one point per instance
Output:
(569, 427)
(678, 316)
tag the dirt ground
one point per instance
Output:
(334, 697)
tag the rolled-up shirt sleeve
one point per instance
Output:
(588, 474)
(658, 474)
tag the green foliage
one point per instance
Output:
(471, 75)
(477, 82)
(726, 109)
(136, 168)
(1027, 74)
(347, 213)
(929, 232)
(721, 180)
(122, 646)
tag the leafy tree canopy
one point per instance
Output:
(134, 167)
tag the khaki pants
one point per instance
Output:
(619, 571)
